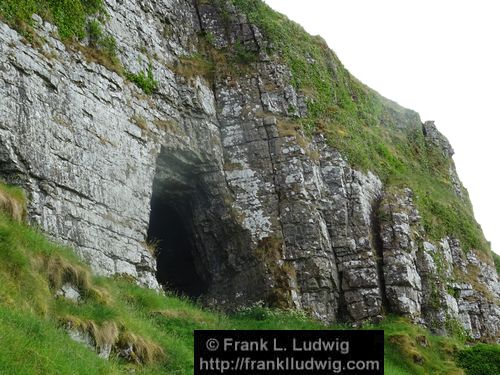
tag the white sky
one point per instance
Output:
(438, 57)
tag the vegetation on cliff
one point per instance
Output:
(496, 259)
(77, 21)
(70, 16)
(372, 132)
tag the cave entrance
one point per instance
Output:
(171, 230)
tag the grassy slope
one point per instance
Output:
(31, 318)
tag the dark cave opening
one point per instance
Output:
(171, 230)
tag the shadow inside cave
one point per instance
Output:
(171, 229)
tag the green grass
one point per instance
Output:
(13, 192)
(480, 359)
(372, 132)
(412, 350)
(33, 345)
(496, 259)
(70, 16)
(75, 20)
(144, 80)
(34, 342)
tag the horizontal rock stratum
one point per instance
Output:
(250, 187)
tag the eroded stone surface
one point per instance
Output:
(70, 292)
(274, 216)
(432, 282)
(400, 231)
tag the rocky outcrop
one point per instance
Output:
(430, 282)
(436, 139)
(401, 232)
(255, 210)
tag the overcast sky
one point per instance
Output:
(438, 57)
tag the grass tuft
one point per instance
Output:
(195, 65)
(139, 349)
(12, 202)
(61, 271)
(144, 80)
(496, 259)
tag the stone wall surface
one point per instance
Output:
(274, 217)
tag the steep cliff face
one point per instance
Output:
(228, 167)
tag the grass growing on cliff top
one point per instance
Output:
(372, 132)
(75, 20)
(160, 327)
(70, 16)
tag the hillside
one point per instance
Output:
(37, 319)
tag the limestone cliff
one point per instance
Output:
(229, 167)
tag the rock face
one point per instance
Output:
(244, 208)
(432, 283)
(400, 231)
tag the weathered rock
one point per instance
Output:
(69, 291)
(477, 305)
(258, 211)
(81, 337)
(400, 230)
(436, 139)
(428, 282)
